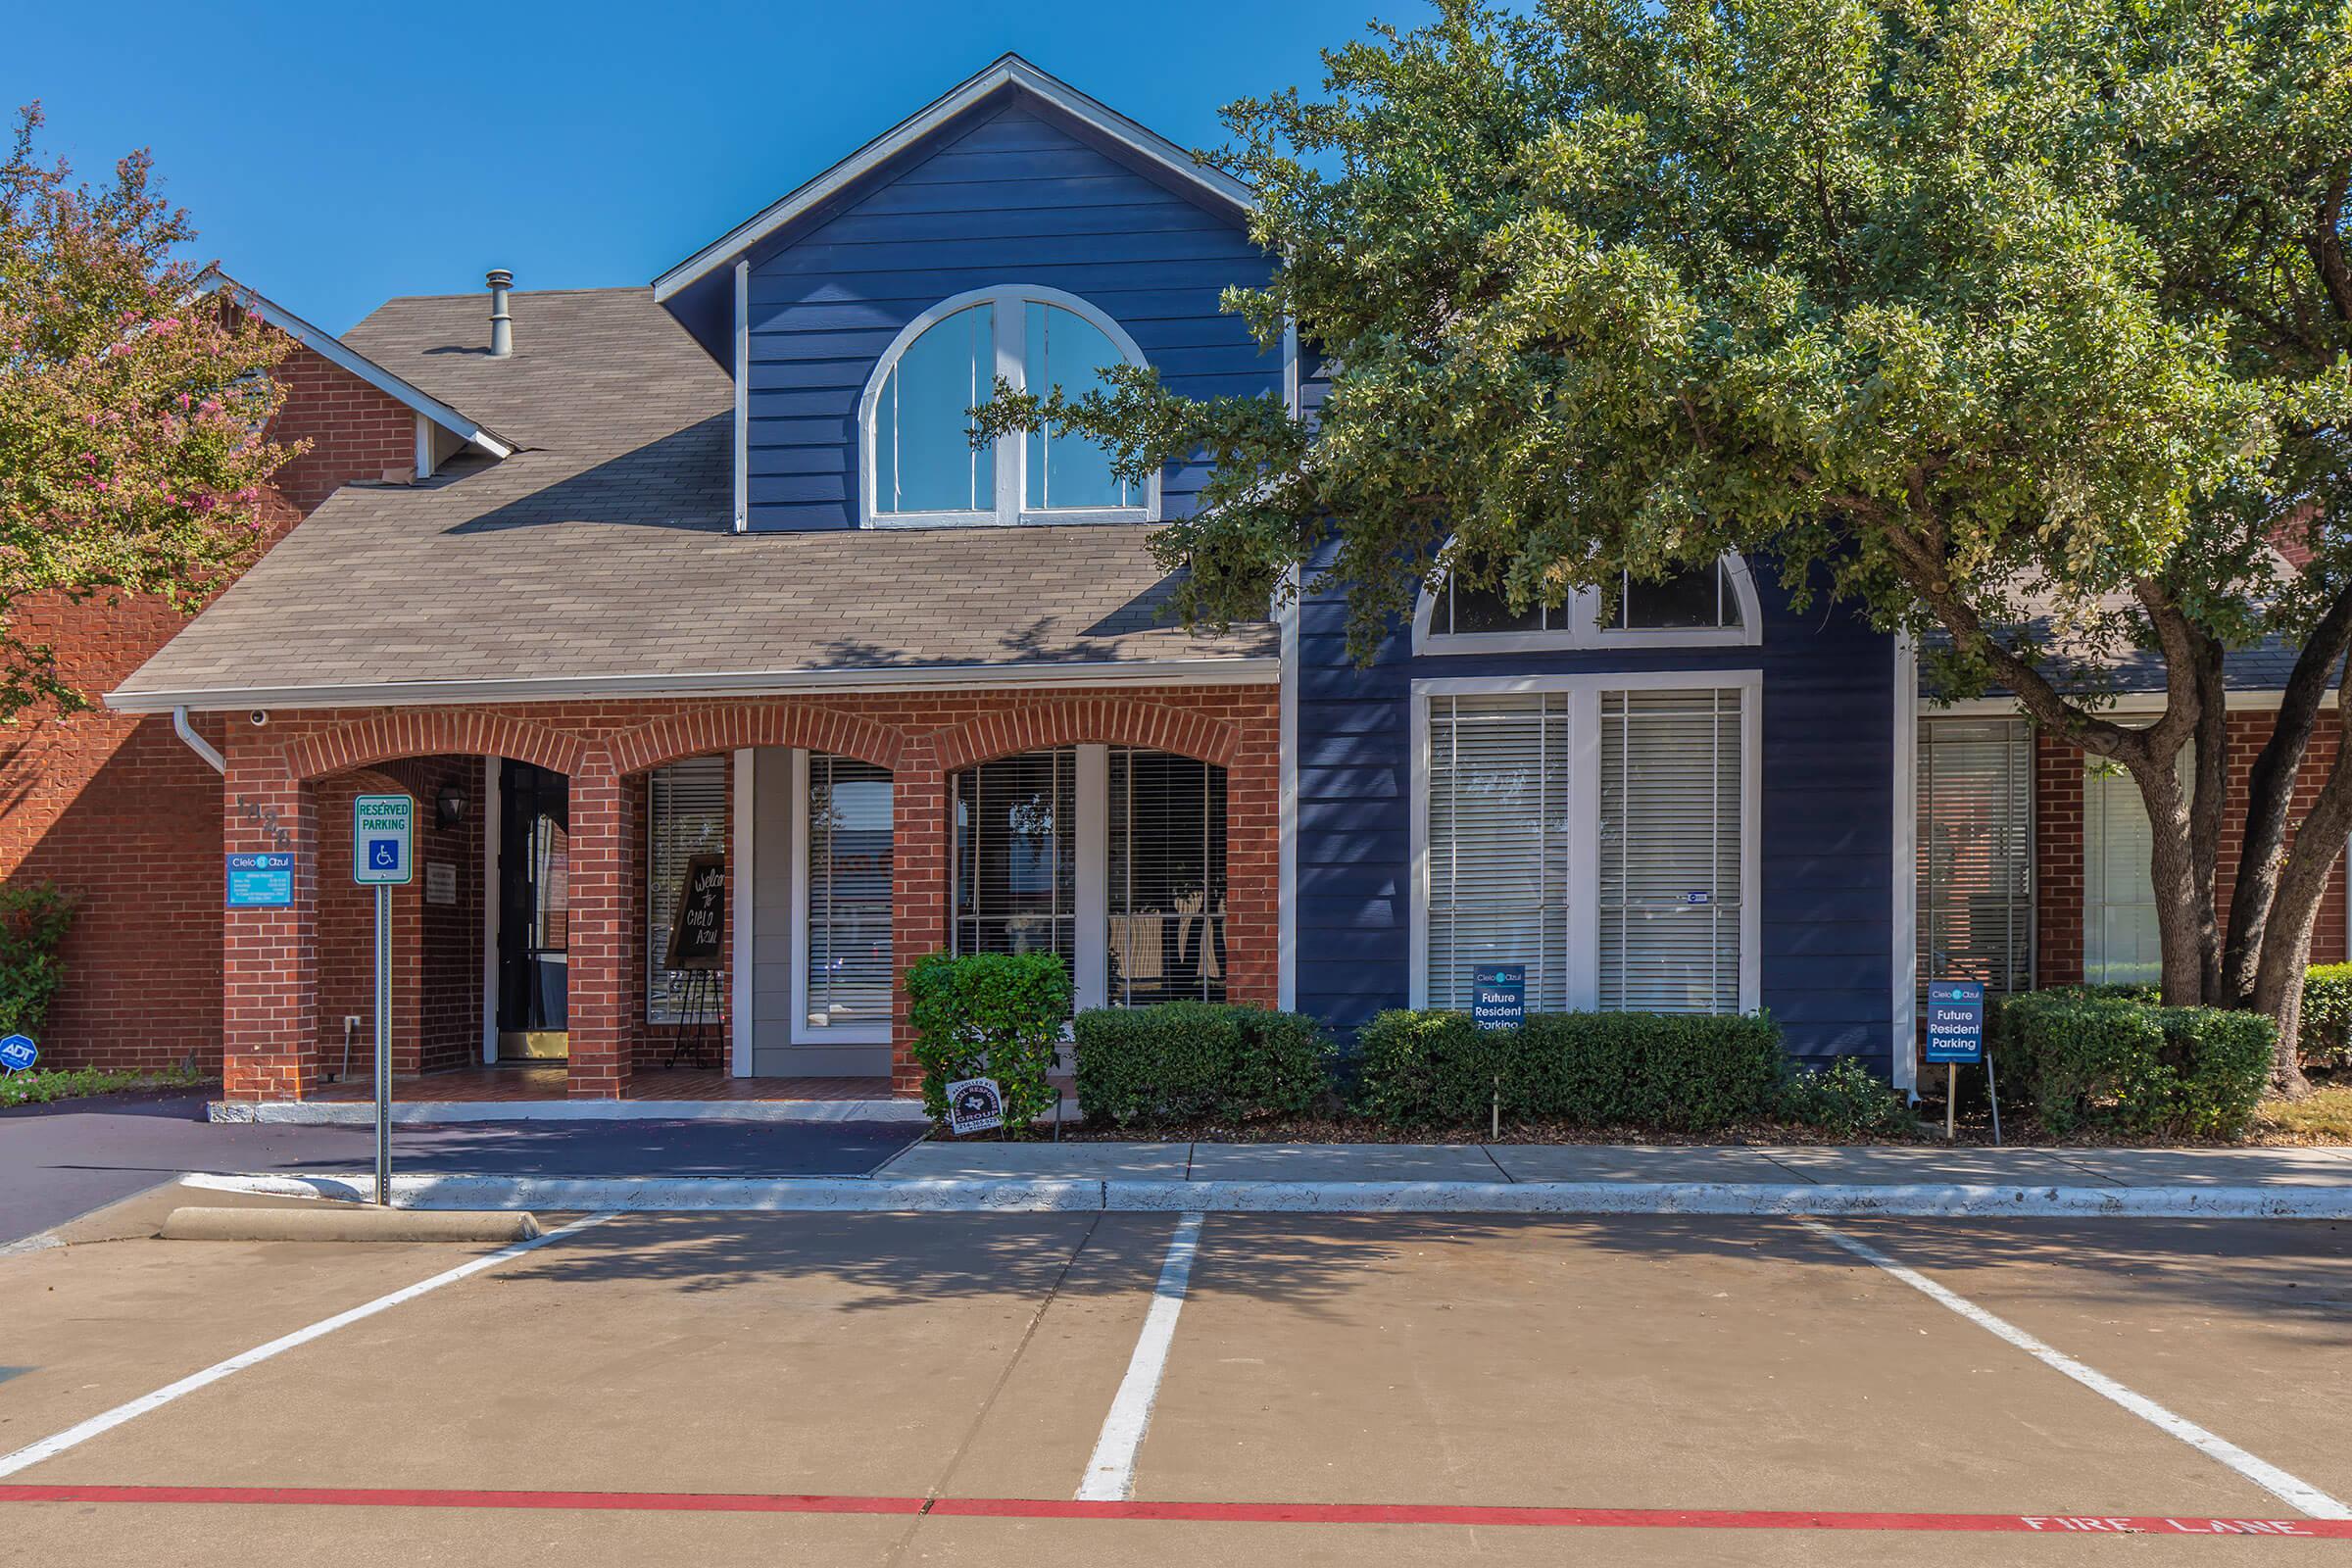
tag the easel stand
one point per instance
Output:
(698, 1018)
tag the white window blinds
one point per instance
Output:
(849, 871)
(686, 811)
(2120, 941)
(1976, 867)
(1670, 850)
(1498, 832)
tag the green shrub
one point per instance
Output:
(1844, 1099)
(1675, 1071)
(1184, 1062)
(989, 1016)
(2326, 1037)
(34, 918)
(2092, 1061)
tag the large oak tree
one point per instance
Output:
(2022, 324)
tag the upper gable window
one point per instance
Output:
(1710, 606)
(921, 469)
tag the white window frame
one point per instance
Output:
(1574, 626)
(1583, 693)
(799, 902)
(1010, 301)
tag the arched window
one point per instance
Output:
(921, 468)
(1709, 605)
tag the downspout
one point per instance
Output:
(197, 742)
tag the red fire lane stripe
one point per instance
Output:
(1309, 1513)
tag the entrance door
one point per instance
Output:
(534, 906)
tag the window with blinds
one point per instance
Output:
(846, 983)
(1016, 874)
(1166, 873)
(1497, 867)
(1669, 913)
(2121, 945)
(686, 815)
(1974, 851)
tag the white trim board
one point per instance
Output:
(1006, 72)
(331, 349)
(1241, 669)
(1584, 721)
(1903, 1047)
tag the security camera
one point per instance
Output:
(259, 717)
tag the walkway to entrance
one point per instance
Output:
(545, 1081)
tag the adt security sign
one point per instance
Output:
(381, 840)
(1956, 1022)
(1498, 995)
(18, 1053)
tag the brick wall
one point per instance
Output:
(119, 812)
(607, 749)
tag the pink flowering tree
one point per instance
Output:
(133, 458)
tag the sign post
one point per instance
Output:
(383, 857)
(1956, 1035)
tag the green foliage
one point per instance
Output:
(2325, 1039)
(1185, 1061)
(42, 1085)
(1846, 1100)
(2087, 1060)
(1673, 1072)
(989, 1016)
(34, 918)
(133, 454)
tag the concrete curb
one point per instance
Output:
(840, 1194)
(341, 1224)
(438, 1113)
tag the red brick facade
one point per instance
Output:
(289, 779)
(119, 812)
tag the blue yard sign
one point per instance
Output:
(1498, 995)
(1956, 1022)
(18, 1053)
(260, 881)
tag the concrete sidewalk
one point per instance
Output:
(1807, 1165)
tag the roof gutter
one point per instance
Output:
(197, 742)
(1237, 670)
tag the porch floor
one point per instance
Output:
(537, 1081)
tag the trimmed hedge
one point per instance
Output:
(1183, 1061)
(1844, 1099)
(1681, 1072)
(2326, 1037)
(989, 1016)
(2106, 1061)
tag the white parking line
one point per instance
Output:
(74, 1436)
(2288, 1488)
(1110, 1472)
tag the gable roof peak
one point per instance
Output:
(1008, 71)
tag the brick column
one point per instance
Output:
(268, 958)
(1253, 864)
(2057, 862)
(918, 920)
(597, 1015)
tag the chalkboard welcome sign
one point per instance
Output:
(698, 932)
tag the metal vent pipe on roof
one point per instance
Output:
(502, 325)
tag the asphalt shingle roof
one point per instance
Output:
(603, 550)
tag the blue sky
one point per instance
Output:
(335, 155)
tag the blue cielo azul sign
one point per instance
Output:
(1955, 1021)
(1498, 995)
(260, 881)
(18, 1053)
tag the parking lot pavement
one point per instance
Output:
(952, 1389)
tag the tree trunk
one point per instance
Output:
(2302, 882)
(2173, 875)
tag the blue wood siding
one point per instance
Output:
(1827, 813)
(1005, 196)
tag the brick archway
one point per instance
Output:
(727, 729)
(1098, 719)
(433, 732)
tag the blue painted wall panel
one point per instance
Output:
(1006, 196)
(1827, 813)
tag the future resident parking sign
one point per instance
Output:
(1498, 995)
(1956, 1022)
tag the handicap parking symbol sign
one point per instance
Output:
(383, 855)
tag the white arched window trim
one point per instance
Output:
(1575, 628)
(1012, 451)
